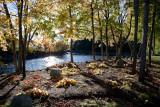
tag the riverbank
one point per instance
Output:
(105, 85)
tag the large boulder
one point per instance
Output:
(120, 63)
(55, 72)
(22, 100)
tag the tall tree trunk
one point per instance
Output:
(13, 36)
(139, 51)
(71, 29)
(100, 31)
(151, 36)
(107, 44)
(24, 44)
(106, 34)
(154, 40)
(71, 55)
(20, 58)
(136, 3)
(144, 42)
(93, 48)
(14, 56)
(24, 52)
(119, 51)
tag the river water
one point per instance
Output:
(41, 63)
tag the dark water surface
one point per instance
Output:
(41, 63)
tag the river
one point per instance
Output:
(41, 63)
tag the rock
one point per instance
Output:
(120, 63)
(87, 61)
(69, 65)
(55, 72)
(22, 100)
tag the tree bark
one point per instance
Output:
(144, 42)
(24, 52)
(20, 58)
(139, 51)
(154, 40)
(131, 46)
(93, 47)
(106, 34)
(151, 36)
(71, 54)
(107, 44)
(71, 29)
(136, 6)
(119, 51)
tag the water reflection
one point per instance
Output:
(41, 63)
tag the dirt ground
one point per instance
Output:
(114, 87)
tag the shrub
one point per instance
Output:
(98, 71)
(35, 92)
(65, 81)
(92, 65)
(103, 66)
(69, 71)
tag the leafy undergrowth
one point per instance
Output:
(96, 65)
(65, 82)
(33, 81)
(69, 71)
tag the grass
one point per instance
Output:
(98, 103)
(156, 60)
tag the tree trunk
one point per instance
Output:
(139, 51)
(100, 31)
(14, 56)
(144, 42)
(119, 52)
(151, 36)
(24, 44)
(71, 29)
(20, 58)
(12, 34)
(107, 44)
(93, 48)
(154, 39)
(106, 35)
(136, 3)
(24, 53)
(71, 54)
